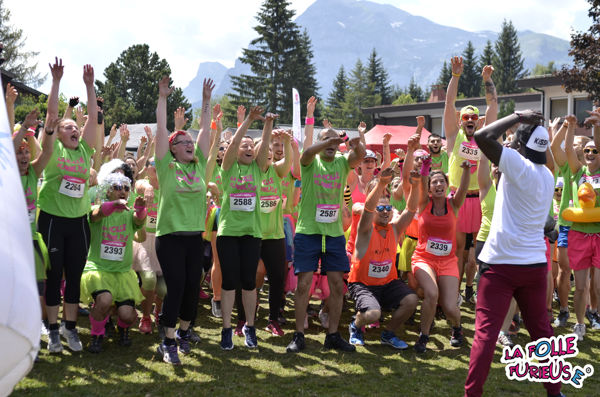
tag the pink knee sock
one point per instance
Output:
(122, 324)
(97, 326)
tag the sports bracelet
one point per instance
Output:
(455, 74)
(309, 121)
(368, 210)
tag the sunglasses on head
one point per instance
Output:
(588, 151)
(467, 117)
(381, 208)
(118, 188)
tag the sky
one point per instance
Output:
(191, 32)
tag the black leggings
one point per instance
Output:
(239, 260)
(68, 242)
(181, 260)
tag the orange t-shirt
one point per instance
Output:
(377, 266)
(437, 234)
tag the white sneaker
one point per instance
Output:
(579, 330)
(459, 302)
(72, 338)
(44, 330)
(324, 318)
(54, 345)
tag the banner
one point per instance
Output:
(296, 126)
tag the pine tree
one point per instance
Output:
(379, 76)
(487, 56)
(508, 60)
(445, 74)
(280, 58)
(415, 91)
(360, 94)
(17, 61)
(337, 96)
(470, 82)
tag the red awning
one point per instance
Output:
(400, 135)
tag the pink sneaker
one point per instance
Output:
(238, 329)
(274, 328)
(374, 325)
(203, 295)
(145, 325)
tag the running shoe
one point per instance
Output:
(44, 329)
(238, 328)
(156, 316)
(54, 345)
(226, 339)
(215, 307)
(297, 344)
(194, 337)
(421, 345)
(250, 334)
(281, 318)
(579, 330)
(82, 311)
(470, 296)
(96, 344)
(324, 318)
(124, 339)
(183, 339)
(389, 338)
(504, 339)
(109, 328)
(274, 328)
(72, 339)
(356, 336)
(203, 295)
(335, 341)
(457, 338)
(169, 353)
(145, 325)
(595, 322)
(561, 320)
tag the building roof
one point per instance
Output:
(545, 80)
(22, 88)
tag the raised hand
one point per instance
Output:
(79, 116)
(386, 138)
(57, 69)
(207, 87)
(530, 117)
(353, 143)
(139, 201)
(124, 132)
(73, 101)
(11, 94)
(217, 113)
(421, 121)
(148, 132)
(51, 124)
(180, 119)
(88, 74)
(149, 194)
(400, 153)
(457, 65)
(487, 71)
(32, 119)
(241, 114)
(386, 175)
(466, 164)
(415, 177)
(593, 119)
(362, 127)
(143, 140)
(552, 125)
(310, 106)
(113, 131)
(414, 142)
(271, 116)
(163, 87)
(255, 113)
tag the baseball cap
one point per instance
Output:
(469, 109)
(370, 155)
(536, 141)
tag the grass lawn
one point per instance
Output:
(374, 370)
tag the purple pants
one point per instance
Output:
(495, 289)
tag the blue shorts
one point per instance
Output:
(288, 231)
(563, 232)
(308, 250)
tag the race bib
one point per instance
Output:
(112, 250)
(242, 202)
(31, 213)
(151, 222)
(379, 269)
(327, 213)
(594, 180)
(438, 247)
(72, 186)
(469, 151)
(269, 203)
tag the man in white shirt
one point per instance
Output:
(514, 256)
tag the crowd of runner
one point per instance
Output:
(326, 219)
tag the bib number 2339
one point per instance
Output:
(242, 202)
(327, 213)
(439, 247)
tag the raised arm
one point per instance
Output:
(295, 158)
(47, 138)
(265, 142)
(460, 194)
(89, 129)
(362, 130)
(412, 203)
(203, 140)
(231, 153)
(124, 132)
(560, 156)
(30, 120)
(283, 166)
(357, 152)
(11, 97)
(97, 156)
(412, 145)
(309, 153)
(491, 98)
(387, 157)
(73, 101)
(574, 162)
(309, 122)
(162, 135)
(450, 118)
(180, 119)
(215, 141)
(56, 70)
(594, 121)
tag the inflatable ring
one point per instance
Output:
(588, 211)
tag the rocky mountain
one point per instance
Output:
(343, 31)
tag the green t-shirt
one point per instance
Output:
(440, 162)
(182, 195)
(399, 205)
(271, 205)
(287, 193)
(584, 175)
(240, 209)
(64, 190)
(323, 196)
(29, 183)
(152, 216)
(567, 193)
(487, 211)
(111, 248)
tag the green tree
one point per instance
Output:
(337, 96)
(17, 60)
(506, 108)
(445, 74)
(130, 91)
(26, 103)
(379, 76)
(540, 69)
(403, 99)
(280, 59)
(415, 91)
(470, 81)
(487, 56)
(585, 50)
(508, 60)
(360, 94)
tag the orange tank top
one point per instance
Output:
(377, 266)
(437, 234)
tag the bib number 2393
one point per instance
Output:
(72, 186)
(112, 250)
(242, 202)
(439, 247)
(327, 213)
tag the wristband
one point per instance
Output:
(140, 211)
(30, 132)
(426, 166)
(49, 132)
(455, 74)
(344, 136)
(238, 124)
(213, 125)
(367, 209)
(309, 121)
(107, 208)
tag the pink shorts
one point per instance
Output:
(469, 216)
(444, 266)
(548, 254)
(584, 250)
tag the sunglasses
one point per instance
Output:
(222, 148)
(588, 151)
(118, 188)
(152, 163)
(558, 190)
(467, 117)
(184, 143)
(381, 208)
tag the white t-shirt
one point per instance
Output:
(522, 205)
